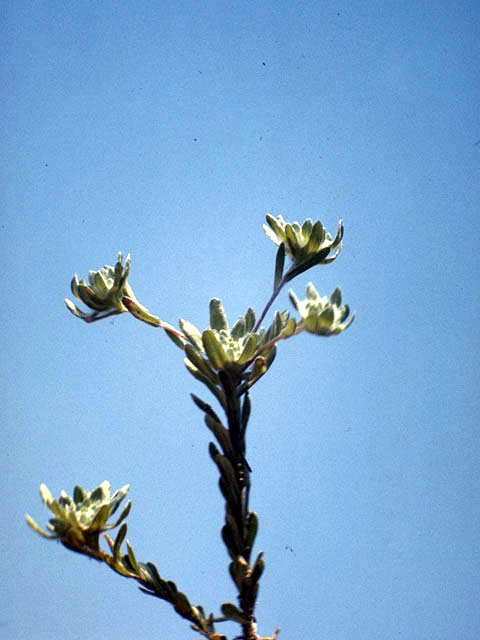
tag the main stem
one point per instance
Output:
(231, 384)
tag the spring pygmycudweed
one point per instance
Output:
(228, 360)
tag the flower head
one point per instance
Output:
(79, 520)
(237, 349)
(321, 315)
(104, 291)
(308, 244)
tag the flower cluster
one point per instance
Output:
(237, 349)
(79, 520)
(321, 315)
(104, 292)
(308, 244)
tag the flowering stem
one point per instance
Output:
(269, 303)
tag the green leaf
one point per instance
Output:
(229, 493)
(239, 570)
(192, 333)
(202, 365)
(218, 318)
(317, 236)
(296, 270)
(140, 312)
(291, 240)
(272, 223)
(279, 264)
(339, 235)
(221, 434)
(228, 541)
(290, 328)
(132, 559)
(172, 588)
(249, 319)
(232, 612)
(99, 494)
(182, 606)
(79, 494)
(344, 313)
(75, 310)
(336, 297)
(246, 408)
(326, 318)
(89, 297)
(31, 523)
(158, 582)
(232, 525)
(214, 349)
(98, 522)
(206, 381)
(249, 349)
(257, 568)
(239, 329)
(206, 408)
(251, 529)
(294, 300)
(99, 282)
(122, 532)
(226, 469)
(307, 227)
(122, 516)
(117, 498)
(74, 286)
(175, 339)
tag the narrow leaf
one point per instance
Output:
(249, 349)
(239, 328)
(140, 312)
(249, 319)
(206, 408)
(214, 349)
(206, 381)
(291, 240)
(175, 339)
(279, 264)
(232, 612)
(251, 529)
(122, 532)
(202, 365)
(336, 297)
(182, 606)
(75, 310)
(122, 516)
(218, 318)
(132, 559)
(221, 434)
(317, 236)
(192, 333)
(246, 408)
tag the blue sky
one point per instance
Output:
(168, 130)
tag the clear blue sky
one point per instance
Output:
(168, 130)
